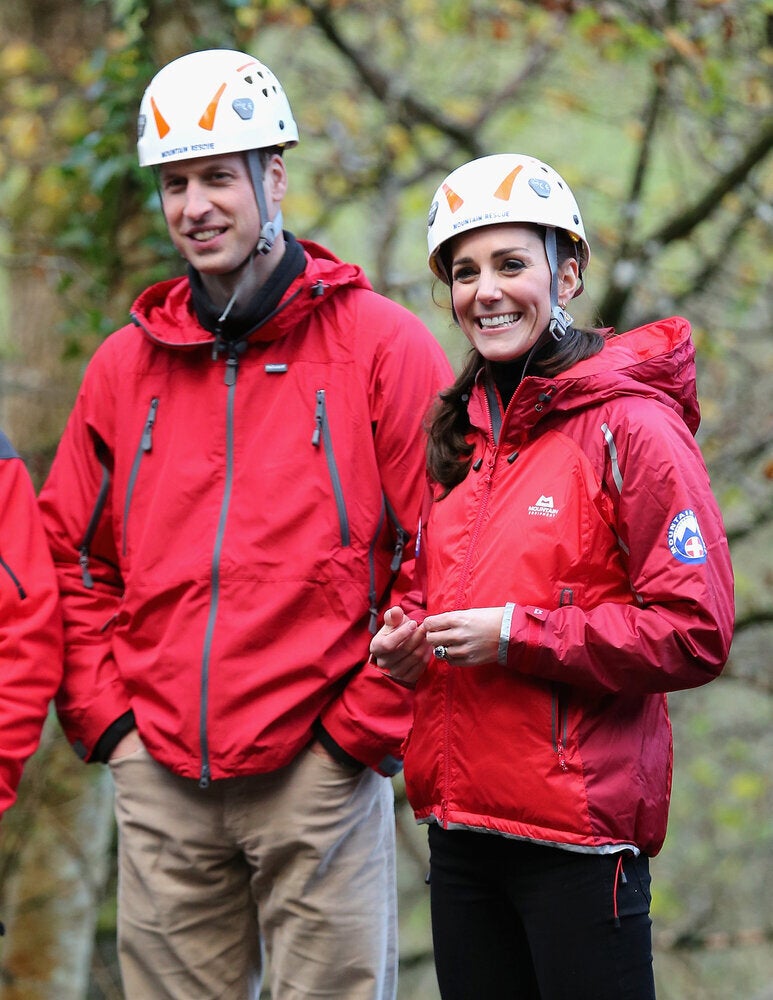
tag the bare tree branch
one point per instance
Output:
(683, 224)
(409, 110)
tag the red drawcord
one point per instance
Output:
(618, 874)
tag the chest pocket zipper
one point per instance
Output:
(322, 435)
(145, 445)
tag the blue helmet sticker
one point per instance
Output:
(685, 539)
(244, 108)
(540, 186)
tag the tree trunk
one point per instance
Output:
(53, 897)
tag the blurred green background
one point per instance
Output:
(658, 114)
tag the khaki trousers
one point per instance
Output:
(298, 864)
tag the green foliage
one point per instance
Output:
(658, 115)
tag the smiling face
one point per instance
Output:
(500, 288)
(212, 215)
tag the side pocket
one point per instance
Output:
(559, 724)
(14, 579)
(633, 892)
(559, 709)
(91, 527)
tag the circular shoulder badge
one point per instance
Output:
(685, 539)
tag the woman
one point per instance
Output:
(575, 569)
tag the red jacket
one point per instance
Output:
(226, 527)
(30, 623)
(593, 519)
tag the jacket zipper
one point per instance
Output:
(145, 445)
(559, 710)
(322, 432)
(373, 601)
(401, 537)
(558, 726)
(450, 671)
(14, 579)
(231, 371)
(91, 527)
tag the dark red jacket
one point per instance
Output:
(589, 512)
(30, 623)
(227, 527)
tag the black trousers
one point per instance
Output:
(517, 921)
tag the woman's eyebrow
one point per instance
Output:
(496, 253)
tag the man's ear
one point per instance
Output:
(275, 176)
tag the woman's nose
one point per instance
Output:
(488, 287)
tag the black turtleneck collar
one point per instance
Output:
(508, 375)
(245, 316)
(507, 378)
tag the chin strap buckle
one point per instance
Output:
(269, 233)
(560, 321)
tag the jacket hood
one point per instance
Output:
(165, 313)
(655, 361)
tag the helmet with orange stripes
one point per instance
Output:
(504, 187)
(209, 103)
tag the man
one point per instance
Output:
(30, 623)
(228, 512)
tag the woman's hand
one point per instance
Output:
(467, 638)
(399, 649)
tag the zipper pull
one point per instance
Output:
(397, 558)
(205, 776)
(319, 417)
(147, 434)
(561, 756)
(373, 622)
(231, 367)
(83, 559)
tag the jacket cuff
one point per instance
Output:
(111, 737)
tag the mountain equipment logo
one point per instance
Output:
(685, 539)
(543, 507)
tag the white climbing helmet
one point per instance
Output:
(504, 187)
(209, 103)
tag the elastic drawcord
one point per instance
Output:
(619, 874)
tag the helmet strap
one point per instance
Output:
(270, 229)
(560, 320)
